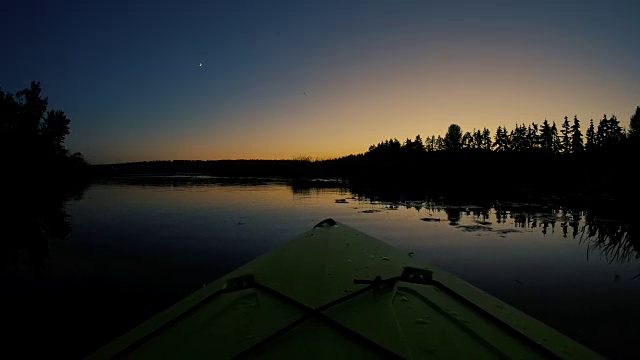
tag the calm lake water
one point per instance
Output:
(135, 249)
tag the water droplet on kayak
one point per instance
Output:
(384, 258)
(349, 261)
(404, 299)
(422, 321)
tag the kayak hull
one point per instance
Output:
(335, 292)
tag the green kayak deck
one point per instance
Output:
(335, 292)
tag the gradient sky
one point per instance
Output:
(319, 78)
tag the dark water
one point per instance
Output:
(137, 248)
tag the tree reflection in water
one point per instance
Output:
(615, 239)
(34, 220)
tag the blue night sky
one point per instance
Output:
(320, 78)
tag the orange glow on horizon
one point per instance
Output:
(349, 107)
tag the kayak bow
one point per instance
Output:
(335, 292)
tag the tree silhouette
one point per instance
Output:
(42, 173)
(592, 140)
(576, 136)
(566, 136)
(501, 143)
(617, 132)
(430, 143)
(519, 138)
(634, 126)
(467, 141)
(546, 138)
(54, 129)
(418, 144)
(26, 124)
(609, 132)
(453, 138)
(486, 139)
(533, 139)
(556, 146)
(408, 144)
(603, 131)
(477, 139)
(439, 144)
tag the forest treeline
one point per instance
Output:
(593, 164)
(32, 140)
(39, 175)
(571, 158)
(527, 158)
(542, 139)
(524, 160)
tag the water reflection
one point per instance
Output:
(453, 215)
(611, 236)
(308, 187)
(143, 243)
(35, 217)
